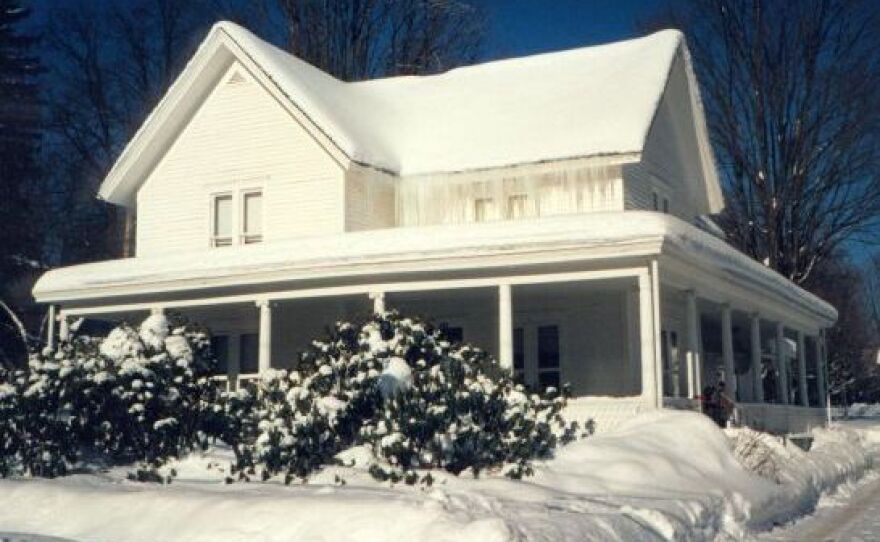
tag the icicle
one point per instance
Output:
(526, 191)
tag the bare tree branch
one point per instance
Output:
(792, 95)
(363, 39)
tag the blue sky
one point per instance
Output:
(521, 27)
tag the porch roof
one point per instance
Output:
(591, 236)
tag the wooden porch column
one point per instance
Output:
(727, 351)
(64, 327)
(757, 365)
(265, 337)
(658, 358)
(823, 370)
(694, 369)
(646, 340)
(821, 384)
(781, 364)
(802, 369)
(50, 327)
(505, 327)
(378, 302)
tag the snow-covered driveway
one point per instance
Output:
(850, 515)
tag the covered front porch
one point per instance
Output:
(636, 311)
(625, 339)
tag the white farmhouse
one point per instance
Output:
(552, 209)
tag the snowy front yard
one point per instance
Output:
(662, 476)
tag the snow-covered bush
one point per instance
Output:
(146, 393)
(416, 399)
(138, 395)
(758, 452)
(36, 436)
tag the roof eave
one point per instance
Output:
(171, 113)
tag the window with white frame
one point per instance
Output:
(236, 218)
(221, 220)
(548, 357)
(220, 349)
(249, 353)
(252, 219)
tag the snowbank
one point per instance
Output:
(660, 476)
(839, 455)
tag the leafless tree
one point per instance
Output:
(792, 94)
(109, 64)
(872, 298)
(362, 39)
(852, 340)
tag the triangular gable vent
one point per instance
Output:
(236, 78)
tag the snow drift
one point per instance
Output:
(661, 476)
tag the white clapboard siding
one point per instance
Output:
(370, 199)
(241, 137)
(670, 163)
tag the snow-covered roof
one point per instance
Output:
(582, 102)
(420, 249)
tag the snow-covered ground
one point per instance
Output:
(661, 476)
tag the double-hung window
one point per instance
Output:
(252, 219)
(236, 218)
(221, 222)
(548, 357)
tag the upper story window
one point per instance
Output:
(517, 206)
(221, 236)
(484, 209)
(658, 201)
(252, 221)
(236, 218)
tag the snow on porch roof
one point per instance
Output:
(590, 101)
(417, 249)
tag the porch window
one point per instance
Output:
(221, 208)
(249, 353)
(252, 219)
(519, 359)
(548, 356)
(220, 349)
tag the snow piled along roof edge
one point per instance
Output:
(426, 244)
(591, 101)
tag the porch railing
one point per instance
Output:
(232, 383)
(777, 418)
